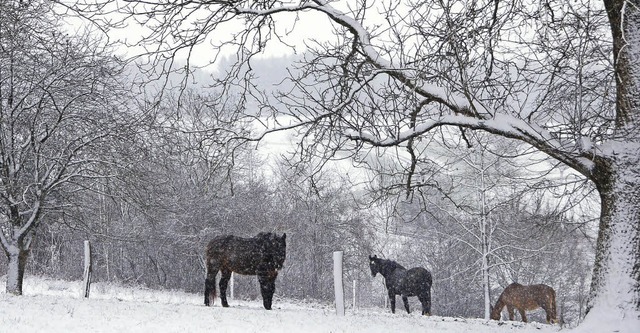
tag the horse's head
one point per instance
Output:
(374, 264)
(273, 248)
(495, 313)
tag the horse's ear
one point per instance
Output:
(284, 236)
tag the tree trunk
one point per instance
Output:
(485, 287)
(485, 242)
(17, 258)
(615, 286)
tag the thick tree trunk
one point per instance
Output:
(615, 287)
(17, 258)
(614, 301)
(624, 18)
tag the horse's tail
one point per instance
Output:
(209, 291)
(209, 283)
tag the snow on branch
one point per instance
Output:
(465, 111)
(501, 124)
(458, 103)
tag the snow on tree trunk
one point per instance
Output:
(15, 269)
(615, 287)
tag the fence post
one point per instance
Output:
(87, 268)
(354, 293)
(231, 286)
(337, 282)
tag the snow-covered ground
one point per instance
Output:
(56, 306)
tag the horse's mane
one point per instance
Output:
(264, 235)
(265, 240)
(390, 264)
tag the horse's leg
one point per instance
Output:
(425, 299)
(523, 315)
(267, 288)
(210, 284)
(552, 314)
(510, 310)
(547, 311)
(224, 282)
(548, 316)
(405, 300)
(392, 301)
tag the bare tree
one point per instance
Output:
(487, 194)
(393, 74)
(179, 191)
(62, 109)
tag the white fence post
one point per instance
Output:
(354, 294)
(87, 268)
(231, 286)
(337, 282)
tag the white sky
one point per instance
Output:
(296, 28)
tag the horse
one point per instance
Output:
(262, 255)
(400, 281)
(526, 298)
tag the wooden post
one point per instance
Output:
(231, 286)
(337, 282)
(354, 294)
(87, 268)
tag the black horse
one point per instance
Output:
(400, 281)
(262, 255)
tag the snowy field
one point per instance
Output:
(56, 306)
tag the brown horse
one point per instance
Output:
(262, 255)
(526, 298)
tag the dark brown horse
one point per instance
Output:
(400, 281)
(526, 298)
(262, 255)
